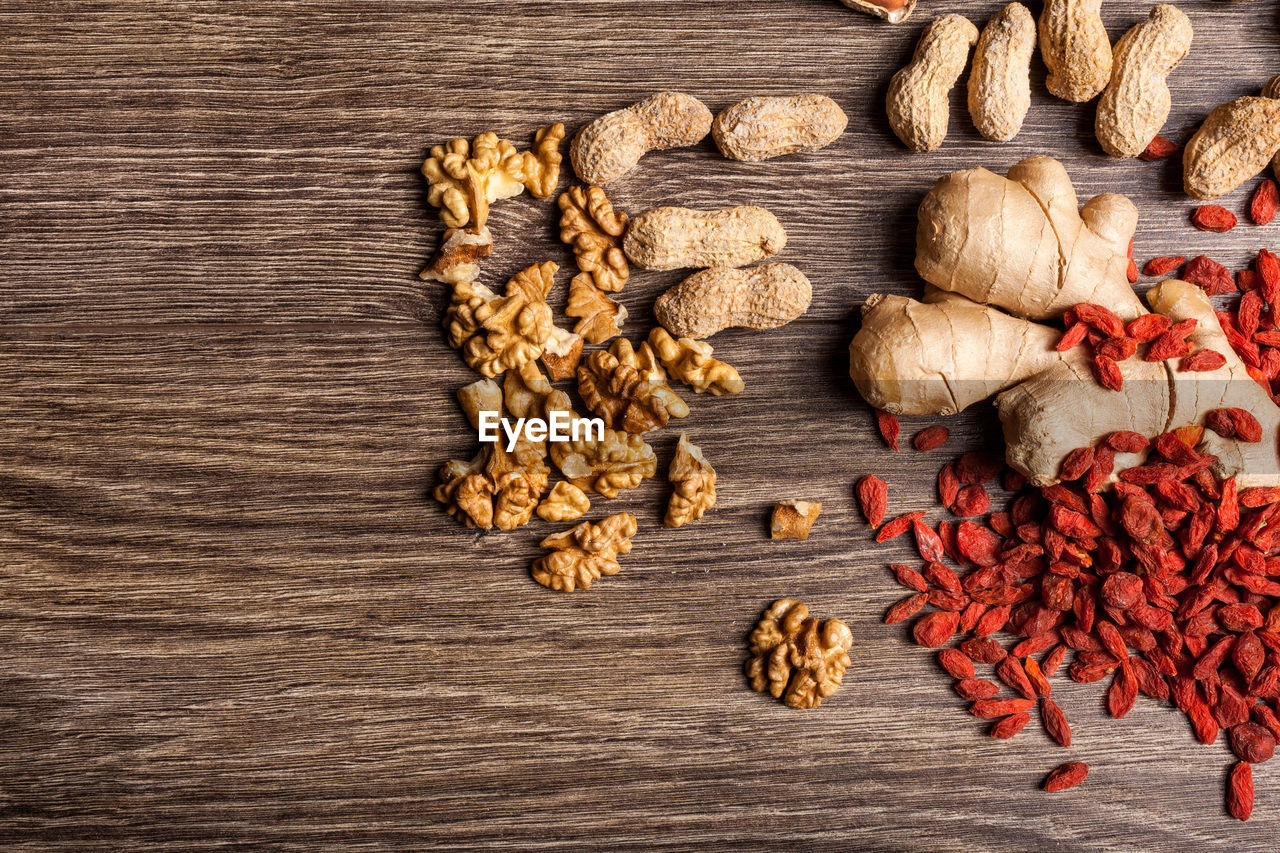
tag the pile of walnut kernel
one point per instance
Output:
(515, 342)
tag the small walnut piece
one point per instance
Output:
(599, 317)
(690, 362)
(589, 224)
(917, 101)
(561, 353)
(760, 128)
(483, 395)
(645, 361)
(694, 481)
(565, 503)
(796, 657)
(1076, 49)
(496, 487)
(586, 552)
(1235, 143)
(461, 318)
(528, 394)
(1136, 102)
(668, 238)
(607, 465)
(610, 146)
(1000, 82)
(464, 179)
(458, 258)
(793, 519)
(893, 11)
(760, 297)
(465, 491)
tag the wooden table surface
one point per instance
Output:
(232, 615)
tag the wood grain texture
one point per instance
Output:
(233, 617)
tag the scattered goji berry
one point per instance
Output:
(1161, 266)
(1202, 360)
(1265, 202)
(1067, 776)
(1213, 217)
(1009, 726)
(931, 438)
(1240, 791)
(1209, 274)
(873, 499)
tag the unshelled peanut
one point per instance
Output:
(761, 297)
(761, 128)
(1136, 101)
(1000, 82)
(917, 101)
(1075, 48)
(610, 146)
(668, 238)
(1235, 143)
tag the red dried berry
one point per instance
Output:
(889, 428)
(873, 499)
(931, 438)
(973, 689)
(1072, 337)
(928, 543)
(992, 708)
(1162, 266)
(910, 578)
(1158, 149)
(898, 526)
(935, 629)
(1010, 671)
(1265, 203)
(906, 608)
(956, 664)
(1201, 361)
(1067, 776)
(1209, 274)
(1267, 266)
(1076, 464)
(1247, 426)
(1252, 743)
(1055, 722)
(1101, 318)
(1010, 726)
(1240, 791)
(983, 650)
(1124, 441)
(971, 501)
(1213, 217)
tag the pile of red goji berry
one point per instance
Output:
(1165, 583)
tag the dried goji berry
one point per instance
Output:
(1240, 791)
(1213, 217)
(928, 543)
(1055, 722)
(1202, 360)
(931, 438)
(906, 608)
(973, 689)
(1010, 671)
(956, 664)
(1252, 743)
(1076, 464)
(1265, 202)
(975, 468)
(948, 485)
(1117, 349)
(1010, 725)
(1267, 266)
(1067, 776)
(873, 499)
(889, 428)
(1101, 318)
(898, 526)
(935, 629)
(991, 708)
(1072, 337)
(1122, 692)
(1161, 266)
(1159, 148)
(1209, 274)
(972, 500)
(983, 650)
(909, 578)
(1247, 426)
(1053, 660)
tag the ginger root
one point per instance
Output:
(955, 349)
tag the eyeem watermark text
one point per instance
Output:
(562, 426)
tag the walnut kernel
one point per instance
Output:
(465, 178)
(599, 316)
(796, 657)
(589, 224)
(793, 519)
(694, 481)
(617, 461)
(690, 362)
(565, 503)
(586, 552)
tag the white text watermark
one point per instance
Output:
(562, 426)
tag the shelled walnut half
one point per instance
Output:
(694, 481)
(464, 178)
(585, 553)
(796, 657)
(498, 333)
(599, 317)
(606, 465)
(565, 503)
(628, 389)
(690, 362)
(593, 229)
